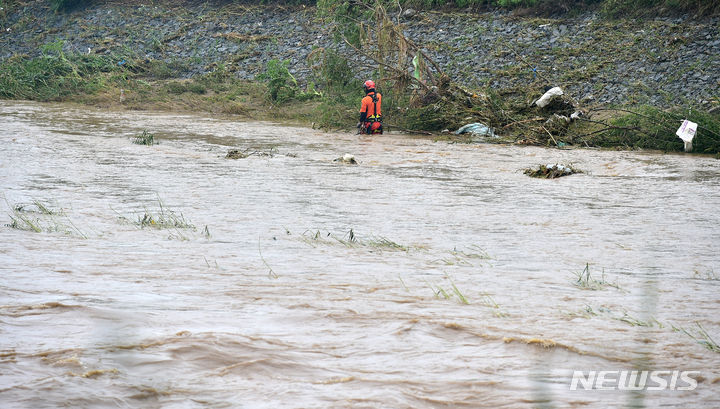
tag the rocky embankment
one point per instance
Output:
(664, 62)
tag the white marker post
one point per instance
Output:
(687, 133)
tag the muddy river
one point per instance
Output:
(428, 275)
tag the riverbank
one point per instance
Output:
(209, 57)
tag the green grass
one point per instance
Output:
(162, 218)
(145, 138)
(39, 217)
(384, 243)
(441, 292)
(637, 322)
(52, 77)
(699, 335)
(351, 240)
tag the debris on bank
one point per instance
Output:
(551, 171)
(476, 129)
(549, 96)
(347, 159)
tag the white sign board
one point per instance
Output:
(687, 131)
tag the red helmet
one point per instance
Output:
(369, 84)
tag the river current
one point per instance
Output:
(428, 275)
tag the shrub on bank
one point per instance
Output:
(50, 77)
(648, 127)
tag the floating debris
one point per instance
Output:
(551, 171)
(236, 154)
(242, 154)
(347, 158)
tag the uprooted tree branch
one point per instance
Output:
(426, 98)
(367, 28)
(425, 95)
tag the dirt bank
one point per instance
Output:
(664, 62)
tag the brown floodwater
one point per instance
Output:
(455, 288)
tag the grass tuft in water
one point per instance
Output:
(39, 217)
(462, 258)
(488, 301)
(36, 207)
(586, 282)
(271, 272)
(458, 294)
(382, 242)
(350, 239)
(20, 221)
(448, 294)
(585, 312)
(701, 336)
(163, 219)
(636, 322)
(145, 138)
(439, 292)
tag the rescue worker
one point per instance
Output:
(370, 112)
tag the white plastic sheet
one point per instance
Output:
(548, 96)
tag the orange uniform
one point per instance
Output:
(370, 119)
(369, 107)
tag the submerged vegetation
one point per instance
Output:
(145, 138)
(39, 217)
(453, 292)
(699, 335)
(586, 282)
(163, 218)
(350, 239)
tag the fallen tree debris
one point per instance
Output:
(551, 171)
